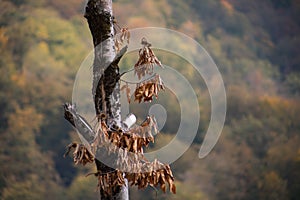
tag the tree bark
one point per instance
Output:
(100, 20)
(106, 88)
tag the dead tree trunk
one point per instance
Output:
(106, 88)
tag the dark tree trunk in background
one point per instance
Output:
(106, 88)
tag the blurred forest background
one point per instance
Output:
(254, 43)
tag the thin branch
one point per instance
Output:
(132, 69)
(131, 82)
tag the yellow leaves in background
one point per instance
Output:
(229, 7)
(31, 189)
(136, 22)
(19, 79)
(143, 13)
(191, 28)
(67, 8)
(272, 187)
(82, 188)
(189, 191)
(3, 37)
(25, 120)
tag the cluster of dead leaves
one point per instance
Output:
(123, 37)
(146, 90)
(132, 140)
(81, 154)
(145, 130)
(147, 60)
(107, 180)
(137, 170)
(153, 174)
(128, 145)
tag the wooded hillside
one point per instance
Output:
(254, 43)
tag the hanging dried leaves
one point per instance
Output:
(107, 180)
(147, 60)
(118, 44)
(132, 166)
(146, 90)
(122, 38)
(153, 174)
(126, 88)
(132, 140)
(125, 35)
(146, 130)
(81, 154)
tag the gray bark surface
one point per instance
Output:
(106, 88)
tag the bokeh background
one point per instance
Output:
(254, 43)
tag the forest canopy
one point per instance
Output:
(255, 46)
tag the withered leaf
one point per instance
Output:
(146, 61)
(128, 94)
(147, 90)
(81, 154)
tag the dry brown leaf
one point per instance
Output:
(118, 45)
(146, 90)
(147, 60)
(163, 187)
(123, 87)
(173, 188)
(128, 94)
(126, 88)
(123, 37)
(81, 154)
